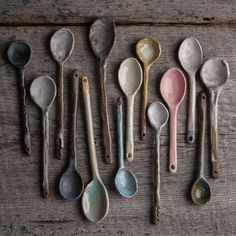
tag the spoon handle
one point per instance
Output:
(173, 141)
(24, 115)
(105, 116)
(120, 131)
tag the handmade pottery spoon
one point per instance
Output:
(130, 79)
(125, 180)
(95, 200)
(173, 87)
(201, 190)
(19, 54)
(43, 92)
(190, 57)
(102, 37)
(158, 116)
(61, 45)
(71, 184)
(148, 51)
(214, 73)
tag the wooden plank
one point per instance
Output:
(123, 12)
(22, 209)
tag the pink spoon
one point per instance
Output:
(173, 87)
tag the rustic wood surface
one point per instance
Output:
(23, 210)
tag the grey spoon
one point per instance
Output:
(190, 57)
(19, 54)
(43, 92)
(214, 73)
(71, 184)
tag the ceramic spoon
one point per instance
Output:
(125, 180)
(43, 92)
(71, 184)
(201, 190)
(214, 73)
(102, 37)
(19, 54)
(190, 57)
(61, 45)
(148, 51)
(95, 200)
(173, 86)
(130, 79)
(158, 116)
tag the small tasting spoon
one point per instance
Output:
(190, 57)
(19, 54)
(158, 116)
(148, 51)
(43, 92)
(125, 180)
(61, 45)
(214, 73)
(130, 79)
(201, 190)
(71, 184)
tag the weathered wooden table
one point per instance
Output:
(23, 211)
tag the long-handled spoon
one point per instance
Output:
(102, 37)
(19, 54)
(130, 79)
(61, 45)
(201, 190)
(95, 200)
(148, 51)
(158, 116)
(43, 92)
(214, 73)
(71, 184)
(125, 180)
(173, 87)
(190, 57)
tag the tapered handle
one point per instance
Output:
(120, 131)
(173, 141)
(105, 116)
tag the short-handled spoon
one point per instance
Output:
(201, 190)
(173, 87)
(125, 180)
(148, 51)
(71, 184)
(158, 116)
(19, 54)
(214, 73)
(130, 79)
(102, 38)
(190, 57)
(61, 45)
(95, 200)
(43, 92)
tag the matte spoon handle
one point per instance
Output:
(173, 141)
(120, 131)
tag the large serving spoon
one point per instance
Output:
(148, 51)
(214, 73)
(43, 92)
(95, 200)
(190, 57)
(102, 38)
(201, 190)
(158, 116)
(19, 54)
(173, 87)
(61, 45)
(125, 180)
(71, 184)
(130, 79)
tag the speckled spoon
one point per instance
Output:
(125, 180)
(43, 92)
(214, 73)
(148, 51)
(190, 57)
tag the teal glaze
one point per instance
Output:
(125, 181)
